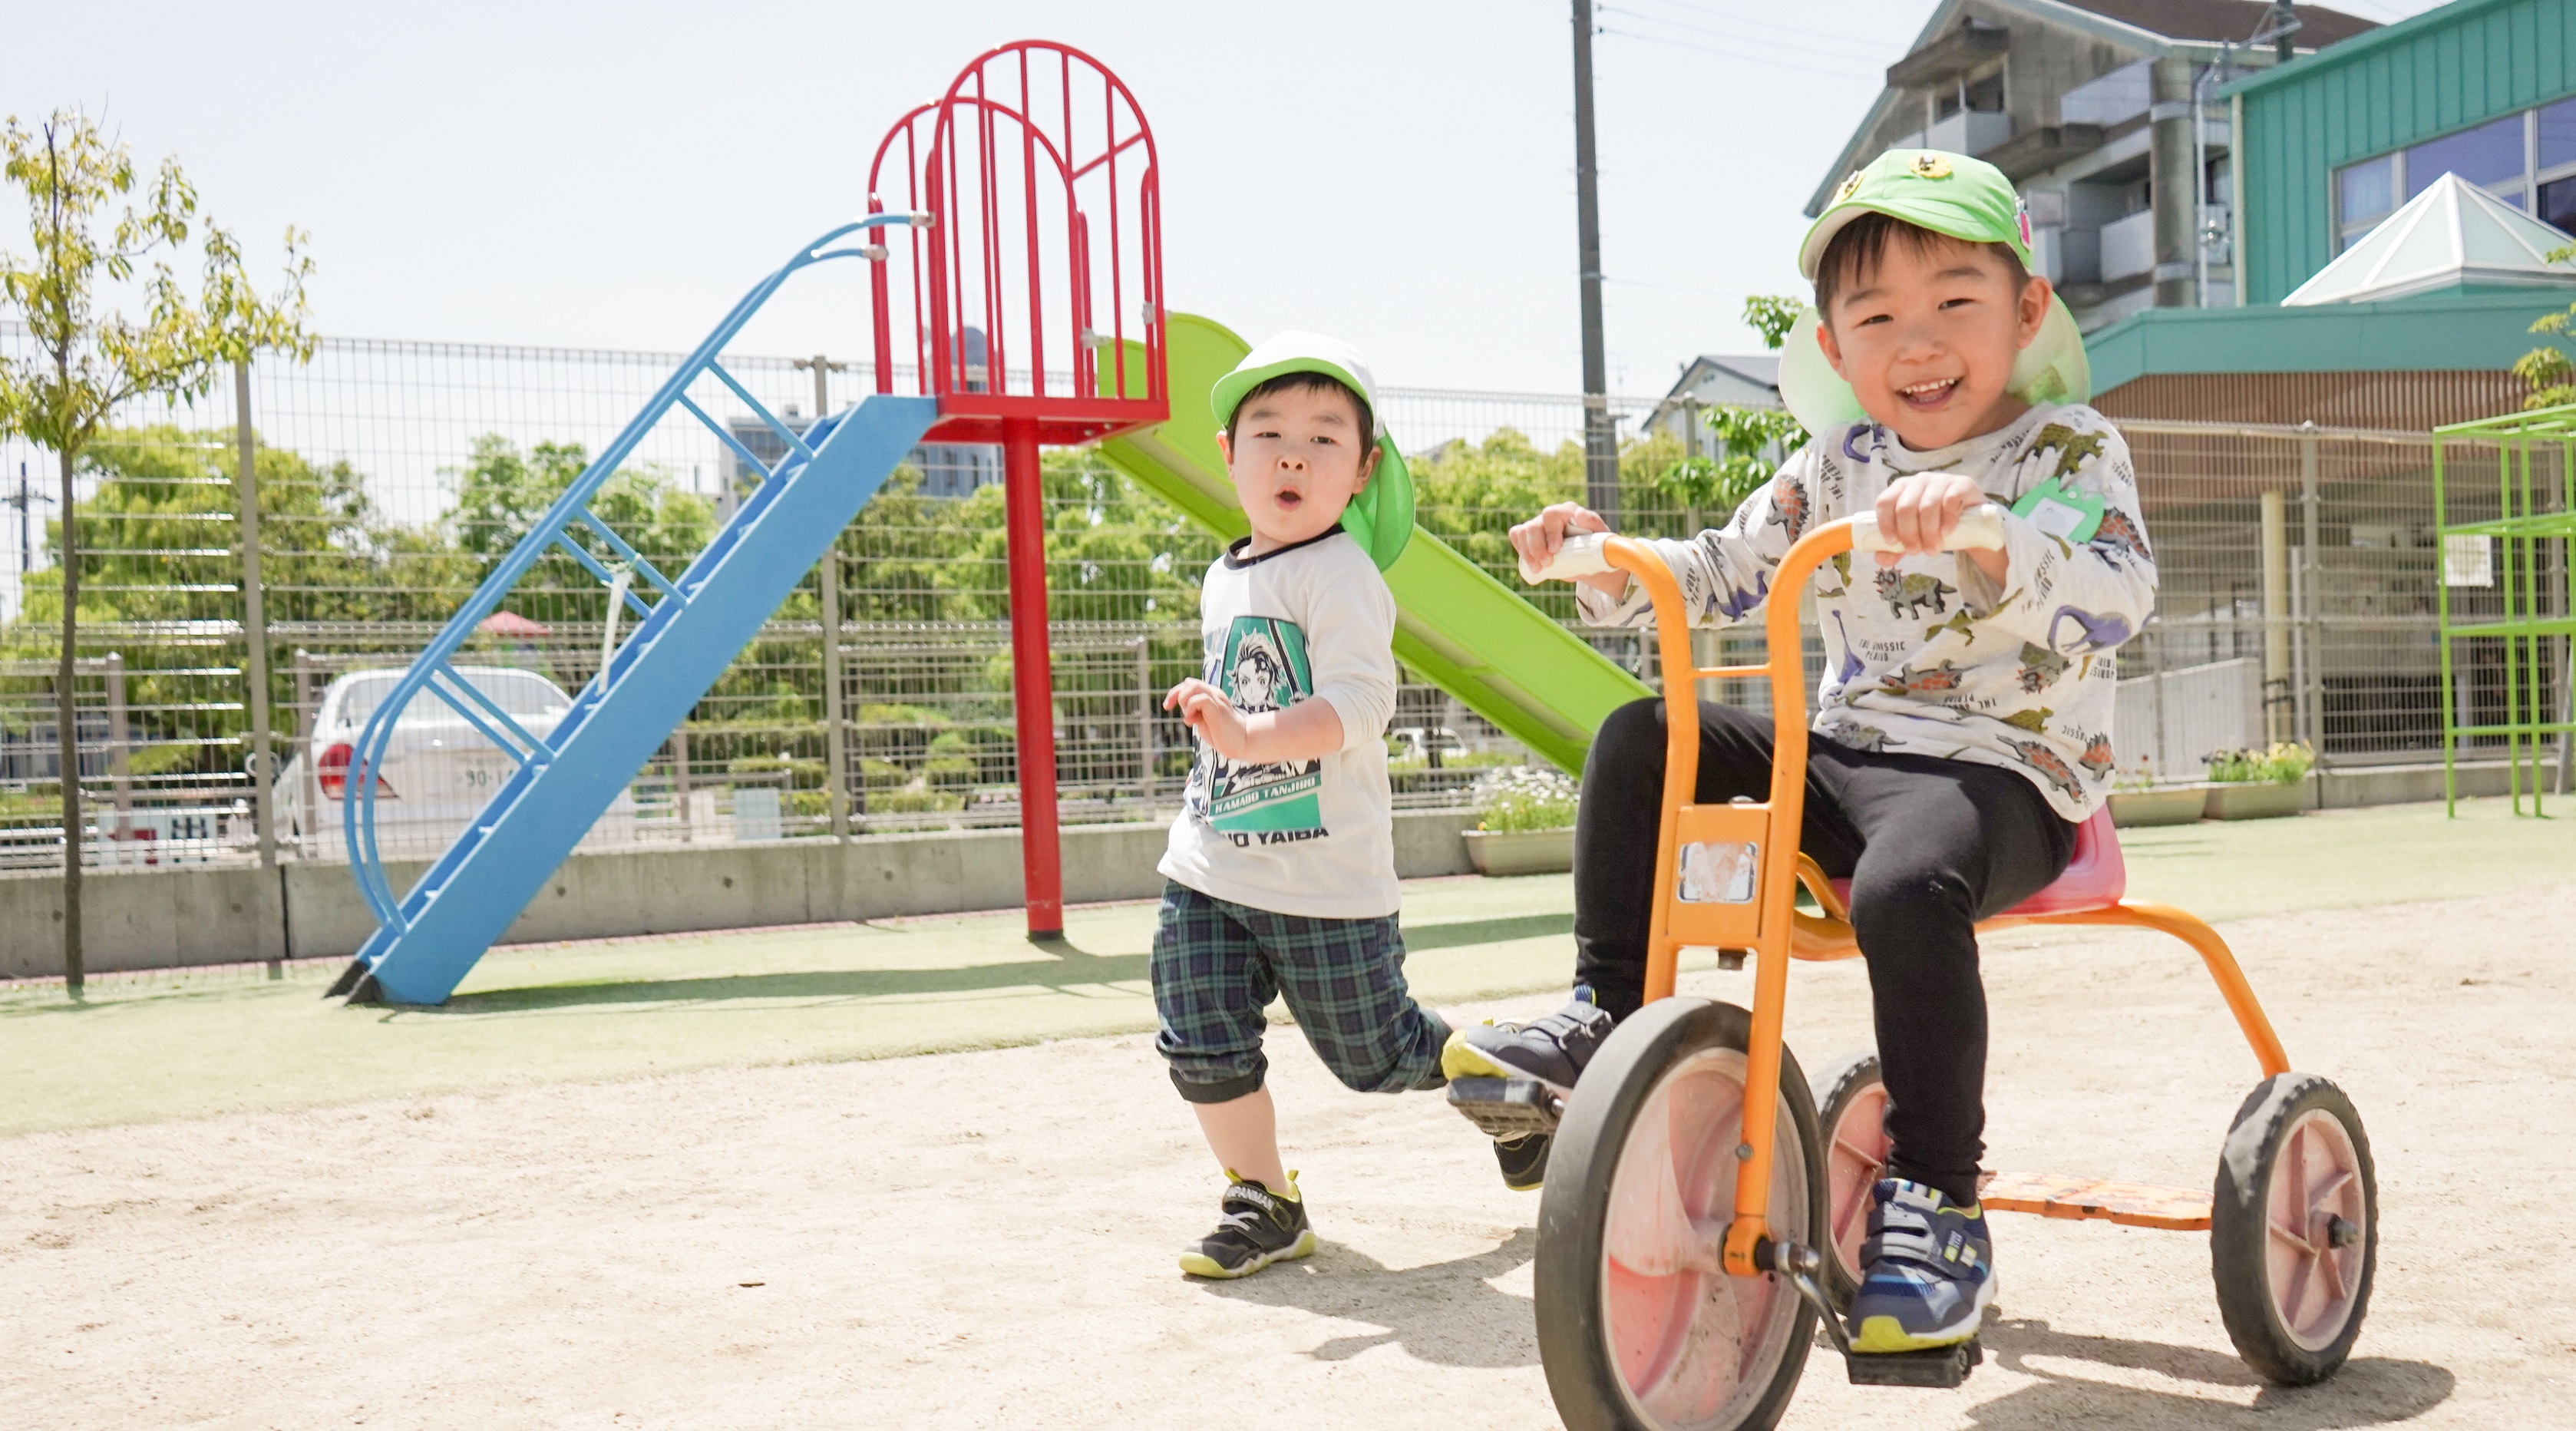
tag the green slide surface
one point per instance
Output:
(1462, 630)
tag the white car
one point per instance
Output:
(438, 772)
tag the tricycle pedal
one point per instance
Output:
(1942, 1367)
(1507, 1107)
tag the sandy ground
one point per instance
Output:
(985, 1239)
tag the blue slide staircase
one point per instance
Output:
(427, 940)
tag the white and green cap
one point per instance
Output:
(1381, 516)
(1968, 199)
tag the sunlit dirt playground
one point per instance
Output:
(683, 1183)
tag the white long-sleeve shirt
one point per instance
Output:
(1312, 621)
(1927, 657)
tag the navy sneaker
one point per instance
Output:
(1552, 1050)
(1524, 1160)
(1927, 1271)
(1256, 1227)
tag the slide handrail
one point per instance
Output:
(556, 529)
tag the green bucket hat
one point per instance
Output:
(1968, 199)
(1381, 516)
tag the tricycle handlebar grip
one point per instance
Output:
(1584, 554)
(1980, 528)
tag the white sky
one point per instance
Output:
(1398, 172)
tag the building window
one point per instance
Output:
(2527, 160)
(2365, 193)
(2558, 204)
(2555, 146)
(2488, 156)
(2558, 134)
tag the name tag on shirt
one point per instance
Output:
(2072, 516)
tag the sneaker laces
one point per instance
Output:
(1902, 1232)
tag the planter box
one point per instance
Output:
(2258, 802)
(1520, 852)
(2180, 805)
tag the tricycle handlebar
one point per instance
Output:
(1981, 527)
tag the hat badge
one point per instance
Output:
(1850, 187)
(1931, 166)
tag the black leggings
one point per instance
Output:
(1930, 845)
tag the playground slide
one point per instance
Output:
(1464, 631)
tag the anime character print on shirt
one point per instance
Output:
(1260, 664)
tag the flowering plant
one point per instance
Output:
(2286, 763)
(1524, 797)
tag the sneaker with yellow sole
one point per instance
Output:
(1255, 1227)
(1927, 1271)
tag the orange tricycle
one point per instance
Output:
(1705, 1203)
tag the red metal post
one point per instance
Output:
(1032, 685)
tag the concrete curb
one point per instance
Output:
(184, 917)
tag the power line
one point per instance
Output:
(1708, 12)
(1738, 55)
(1667, 287)
(1846, 51)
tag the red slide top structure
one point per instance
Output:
(1035, 260)
(1043, 257)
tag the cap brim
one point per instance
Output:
(2052, 369)
(1811, 254)
(1380, 518)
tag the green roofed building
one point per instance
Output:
(2394, 198)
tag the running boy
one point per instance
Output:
(1966, 703)
(1282, 863)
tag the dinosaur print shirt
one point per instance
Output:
(1927, 657)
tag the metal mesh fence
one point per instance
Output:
(2298, 565)
(393, 475)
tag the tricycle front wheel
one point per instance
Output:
(1636, 1329)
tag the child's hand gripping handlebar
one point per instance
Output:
(1980, 528)
(1584, 554)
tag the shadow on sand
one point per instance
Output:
(1062, 966)
(2368, 1391)
(1448, 1313)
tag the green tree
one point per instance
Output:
(159, 494)
(2548, 370)
(501, 493)
(1772, 315)
(1752, 442)
(91, 355)
(1469, 494)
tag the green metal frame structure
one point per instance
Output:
(2534, 539)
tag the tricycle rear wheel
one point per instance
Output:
(2294, 1228)
(1851, 1113)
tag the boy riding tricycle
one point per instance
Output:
(1974, 542)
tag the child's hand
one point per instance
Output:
(1538, 539)
(1209, 713)
(1918, 512)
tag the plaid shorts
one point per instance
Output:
(1217, 964)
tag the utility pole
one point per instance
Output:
(25, 503)
(2279, 24)
(836, 750)
(1600, 441)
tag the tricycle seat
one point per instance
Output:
(2094, 877)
